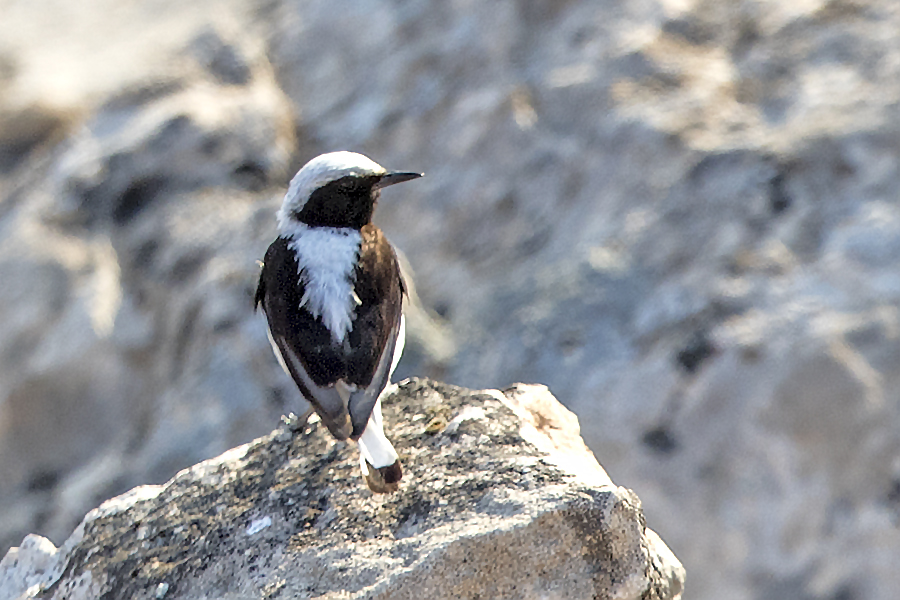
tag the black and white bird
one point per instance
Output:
(333, 295)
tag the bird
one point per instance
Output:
(332, 293)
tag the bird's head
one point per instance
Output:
(338, 189)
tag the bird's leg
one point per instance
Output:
(378, 460)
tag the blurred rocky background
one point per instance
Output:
(680, 215)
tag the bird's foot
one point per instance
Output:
(295, 423)
(384, 480)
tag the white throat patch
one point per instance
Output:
(326, 260)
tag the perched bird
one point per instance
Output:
(332, 294)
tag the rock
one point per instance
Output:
(500, 499)
(98, 354)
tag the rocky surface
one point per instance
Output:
(500, 499)
(680, 215)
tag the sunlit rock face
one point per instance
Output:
(500, 497)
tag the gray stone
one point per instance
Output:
(500, 499)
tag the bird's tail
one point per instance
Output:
(378, 460)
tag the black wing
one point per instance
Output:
(376, 328)
(301, 342)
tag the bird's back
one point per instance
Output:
(360, 361)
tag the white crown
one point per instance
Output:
(320, 171)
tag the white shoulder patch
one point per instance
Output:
(326, 258)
